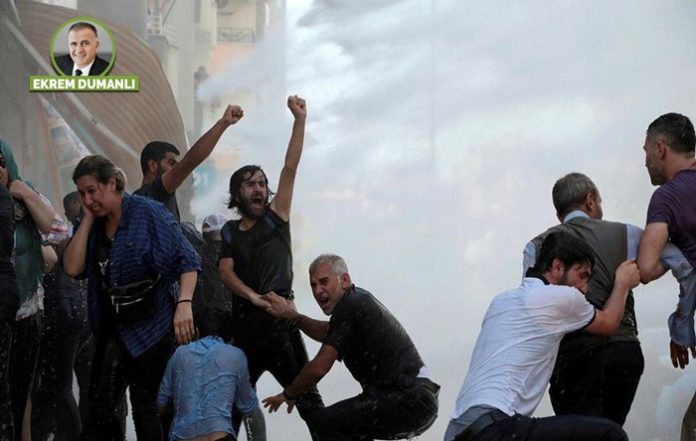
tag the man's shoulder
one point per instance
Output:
(65, 63)
(99, 66)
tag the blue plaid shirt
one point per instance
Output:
(148, 240)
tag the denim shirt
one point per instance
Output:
(203, 381)
(148, 240)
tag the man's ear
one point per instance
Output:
(661, 147)
(152, 166)
(556, 271)
(345, 281)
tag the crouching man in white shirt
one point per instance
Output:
(516, 350)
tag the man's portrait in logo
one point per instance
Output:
(83, 47)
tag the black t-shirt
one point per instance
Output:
(103, 248)
(371, 342)
(9, 296)
(262, 260)
(217, 295)
(155, 190)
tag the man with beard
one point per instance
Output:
(516, 349)
(163, 173)
(670, 143)
(256, 258)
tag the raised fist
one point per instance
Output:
(297, 106)
(232, 115)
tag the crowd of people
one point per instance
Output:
(129, 297)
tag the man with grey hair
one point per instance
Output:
(398, 399)
(594, 376)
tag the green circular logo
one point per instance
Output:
(83, 40)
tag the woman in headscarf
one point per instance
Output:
(34, 217)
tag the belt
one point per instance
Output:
(480, 424)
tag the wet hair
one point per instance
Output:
(69, 199)
(677, 131)
(156, 150)
(564, 247)
(78, 26)
(238, 178)
(214, 321)
(102, 169)
(338, 265)
(570, 191)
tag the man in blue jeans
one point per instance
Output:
(515, 352)
(204, 380)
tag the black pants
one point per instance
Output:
(383, 413)
(6, 419)
(113, 370)
(25, 348)
(600, 382)
(281, 352)
(565, 427)
(65, 345)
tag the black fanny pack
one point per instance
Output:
(135, 301)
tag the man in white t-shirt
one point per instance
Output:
(516, 350)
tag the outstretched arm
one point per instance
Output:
(308, 377)
(282, 308)
(172, 179)
(283, 199)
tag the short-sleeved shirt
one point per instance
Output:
(155, 190)
(202, 382)
(674, 204)
(262, 260)
(371, 342)
(516, 350)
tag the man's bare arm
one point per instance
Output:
(308, 377)
(237, 286)
(283, 308)
(202, 148)
(652, 243)
(283, 199)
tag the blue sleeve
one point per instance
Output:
(172, 254)
(245, 400)
(633, 235)
(528, 257)
(165, 397)
(681, 322)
